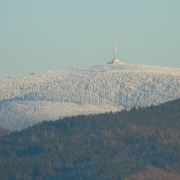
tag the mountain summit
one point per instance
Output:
(27, 100)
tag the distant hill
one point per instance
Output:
(27, 100)
(138, 144)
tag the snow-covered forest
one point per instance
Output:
(26, 100)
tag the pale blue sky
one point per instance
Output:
(41, 35)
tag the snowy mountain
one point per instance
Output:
(26, 100)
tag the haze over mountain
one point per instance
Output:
(26, 100)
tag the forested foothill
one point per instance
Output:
(143, 143)
(4, 132)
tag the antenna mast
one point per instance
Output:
(114, 47)
(115, 61)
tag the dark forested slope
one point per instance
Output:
(133, 144)
(4, 132)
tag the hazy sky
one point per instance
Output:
(41, 35)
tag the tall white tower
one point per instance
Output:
(114, 47)
(115, 61)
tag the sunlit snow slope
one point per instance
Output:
(26, 100)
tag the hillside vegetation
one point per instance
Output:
(4, 132)
(137, 144)
(28, 100)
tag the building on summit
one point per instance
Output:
(115, 61)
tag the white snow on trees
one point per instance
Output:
(27, 100)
